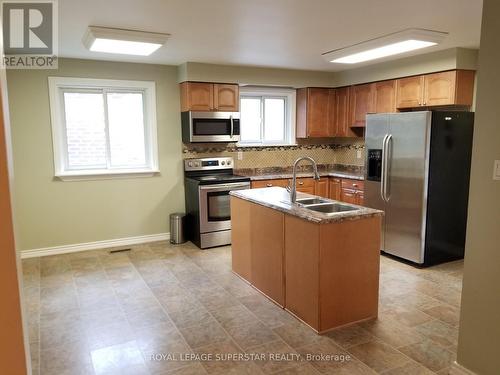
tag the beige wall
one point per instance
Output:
(250, 75)
(478, 348)
(454, 58)
(51, 212)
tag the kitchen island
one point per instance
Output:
(317, 258)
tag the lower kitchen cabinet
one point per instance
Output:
(281, 182)
(352, 196)
(321, 187)
(334, 188)
(257, 238)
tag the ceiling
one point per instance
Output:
(274, 33)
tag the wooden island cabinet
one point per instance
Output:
(322, 271)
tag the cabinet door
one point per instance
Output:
(241, 237)
(267, 248)
(321, 187)
(342, 113)
(385, 97)
(317, 113)
(197, 96)
(361, 102)
(439, 88)
(226, 97)
(269, 183)
(409, 92)
(334, 189)
(360, 198)
(349, 196)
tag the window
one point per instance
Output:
(103, 127)
(267, 116)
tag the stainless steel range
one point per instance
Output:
(207, 185)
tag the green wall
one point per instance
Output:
(50, 212)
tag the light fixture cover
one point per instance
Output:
(387, 45)
(122, 41)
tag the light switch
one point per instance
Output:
(496, 170)
(240, 155)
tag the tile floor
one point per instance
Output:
(100, 313)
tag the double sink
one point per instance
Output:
(324, 206)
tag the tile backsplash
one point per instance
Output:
(342, 152)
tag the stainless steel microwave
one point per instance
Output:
(210, 126)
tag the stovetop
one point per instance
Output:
(208, 179)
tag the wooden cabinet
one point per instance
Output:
(305, 185)
(409, 92)
(204, 96)
(334, 188)
(314, 111)
(385, 96)
(352, 191)
(241, 251)
(361, 102)
(341, 113)
(455, 87)
(321, 187)
(269, 183)
(226, 97)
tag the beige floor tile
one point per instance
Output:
(393, 333)
(69, 359)
(409, 368)
(439, 332)
(251, 334)
(406, 316)
(223, 348)
(234, 316)
(350, 336)
(102, 336)
(429, 354)
(378, 356)
(123, 358)
(202, 335)
(304, 369)
(191, 369)
(297, 334)
(327, 357)
(278, 357)
(446, 313)
(189, 317)
(147, 316)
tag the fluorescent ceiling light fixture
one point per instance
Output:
(388, 45)
(127, 42)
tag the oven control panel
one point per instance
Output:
(204, 164)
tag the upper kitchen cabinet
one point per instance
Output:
(203, 96)
(361, 102)
(454, 87)
(226, 97)
(315, 112)
(385, 96)
(341, 113)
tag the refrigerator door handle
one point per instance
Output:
(382, 174)
(388, 157)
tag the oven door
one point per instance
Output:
(215, 211)
(214, 126)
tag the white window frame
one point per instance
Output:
(59, 85)
(272, 92)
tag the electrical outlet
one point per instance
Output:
(240, 155)
(496, 170)
(359, 154)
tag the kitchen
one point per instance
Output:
(326, 205)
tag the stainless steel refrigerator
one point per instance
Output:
(417, 171)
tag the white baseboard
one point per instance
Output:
(127, 241)
(457, 369)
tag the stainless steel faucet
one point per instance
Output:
(293, 189)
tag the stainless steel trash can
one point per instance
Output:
(177, 222)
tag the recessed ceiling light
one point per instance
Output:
(388, 45)
(127, 42)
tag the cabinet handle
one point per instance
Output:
(269, 185)
(355, 185)
(300, 183)
(425, 103)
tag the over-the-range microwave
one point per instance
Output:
(210, 126)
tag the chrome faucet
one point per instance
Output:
(293, 190)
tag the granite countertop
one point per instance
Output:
(279, 173)
(279, 199)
